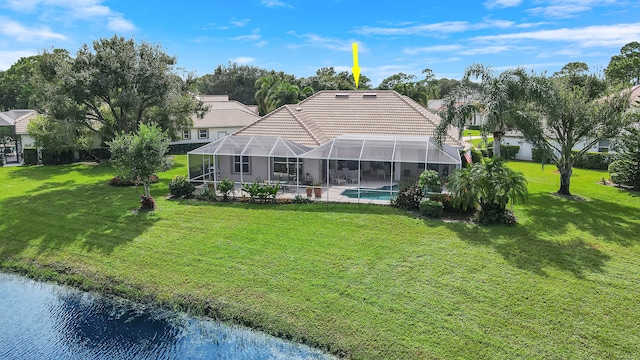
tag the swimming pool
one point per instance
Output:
(381, 193)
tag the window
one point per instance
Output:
(603, 146)
(238, 162)
(186, 134)
(286, 166)
(203, 133)
(221, 134)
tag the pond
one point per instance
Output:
(46, 321)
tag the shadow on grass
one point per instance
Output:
(608, 221)
(92, 217)
(553, 236)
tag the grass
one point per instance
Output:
(360, 281)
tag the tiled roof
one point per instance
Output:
(19, 118)
(225, 113)
(329, 114)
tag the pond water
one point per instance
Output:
(46, 321)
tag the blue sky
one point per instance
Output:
(300, 36)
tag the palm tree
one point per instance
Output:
(490, 184)
(500, 97)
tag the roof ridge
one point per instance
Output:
(423, 111)
(304, 125)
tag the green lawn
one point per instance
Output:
(358, 280)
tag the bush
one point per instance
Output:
(431, 208)
(541, 155)
(50, 158)
(430, 181)
(506, 151)
(263, 192)
(594, 160)
(183, 148)
(477, 155)
(95, 154)
(408, 198)
(495, 216)
(299, 199)
(30, 156)
(180, 186)
(225, 186)
(208, 195)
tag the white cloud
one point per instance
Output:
(502, 3)
(254, 36)
(21, 33)
(262, 44)
(484, 50)
(120, 24)
(591, 36)
(317, 41)
(567, 8)
(431, 49)
(240, 23)
(65, 10)
(243, 60)
(275, 3)
(441, 28)
(8, 58)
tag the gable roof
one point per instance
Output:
(223, 112)
(328, 114)
(18, 118)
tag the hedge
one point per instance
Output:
(507, 152)
(176, 149)
(30, 156)
(65, 157)
(590, 160)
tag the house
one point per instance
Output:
(14, 135)
(477, 118)
(333, 138)
(222, 118)
(525, 151)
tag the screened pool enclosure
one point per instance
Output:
(348, 161)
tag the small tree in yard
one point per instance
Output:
(137, 157)
(492, 185)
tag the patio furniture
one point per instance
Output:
(335, 178)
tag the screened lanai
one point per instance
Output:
(246, 159)
(376, 163)
(349, 165)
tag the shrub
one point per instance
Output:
(30, 156)
(506, 151)
(225, 186)
(408, 198)
(594, 160)
(299, 199)
(430, 181)
(477, 155)
(541, 155)
(180, 186)
(431, 208)
(263, 192)
(52, 158)
(495, 216)
(147, 202)
(208, 194)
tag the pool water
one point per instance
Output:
(382, 193)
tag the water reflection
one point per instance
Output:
(45, 321)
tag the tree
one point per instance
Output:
(489, 184)
(625, 68)
(236, 81)
(328, 79)
(499, 97)
(138, 156)
(120, 84)
(626, 170)
(274, 91)
(58, 136)
(563, 117)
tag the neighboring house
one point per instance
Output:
(477, 119)
(525, 151)
(13, 130)
(223, 117)
(332, 137)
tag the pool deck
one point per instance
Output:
(331, 194)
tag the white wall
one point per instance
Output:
(213, 135)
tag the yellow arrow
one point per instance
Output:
(356, 68)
